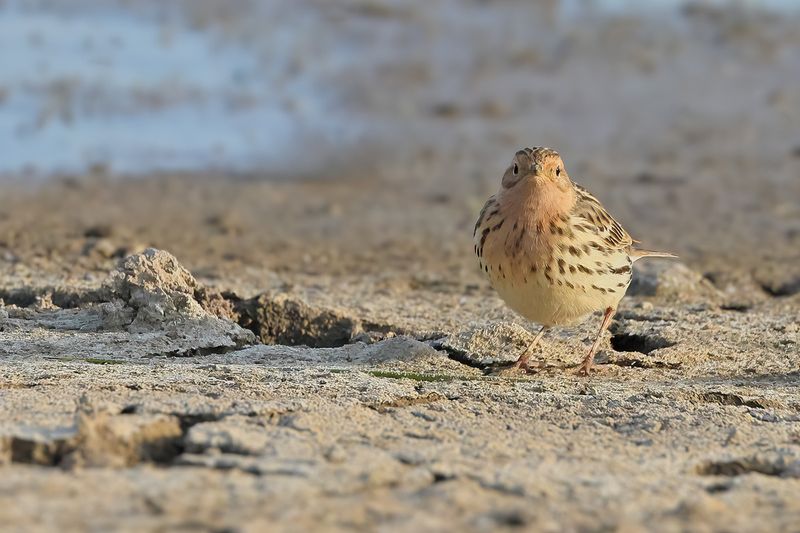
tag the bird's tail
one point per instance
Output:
(637, 254)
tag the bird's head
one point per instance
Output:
(540, 167)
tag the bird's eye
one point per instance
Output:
(516, 169)
(558, 171)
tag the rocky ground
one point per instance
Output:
(315, 348)
(145, 399)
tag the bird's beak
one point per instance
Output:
(537, 169)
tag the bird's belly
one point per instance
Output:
(543, 303)
(555, 298)
(549, 274)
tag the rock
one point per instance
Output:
(396, 349)
(36, 445)
(156, 286)
(488, 344)
(778, 278)
(785, 465)
(113, 315)
(284, 319)
(100, 247)
(23, 313)
(216, 304)
(108, 316)
(45, 302)
(96, 440)
(235, 435)
(739, 289)
(161, 295)
(259, 466)
(50, 297)
(19, 296)
(98, 231)
(670, 280)
(124, 440)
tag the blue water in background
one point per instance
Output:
(121, 90)
(101, 85)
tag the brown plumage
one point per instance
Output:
(550, 248)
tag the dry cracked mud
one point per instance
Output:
(153, 396)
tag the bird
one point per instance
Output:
(551, 250)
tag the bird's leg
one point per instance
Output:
(522, 362)
(586, 365)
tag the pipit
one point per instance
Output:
(550, 249)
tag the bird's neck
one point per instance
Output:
(539, 202)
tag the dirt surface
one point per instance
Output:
(275, 352)
(144, 393)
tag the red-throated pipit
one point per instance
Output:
(551, 250)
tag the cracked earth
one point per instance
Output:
(152, 395)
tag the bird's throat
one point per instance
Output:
(538, 201)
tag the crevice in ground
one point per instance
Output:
(728, 398)
(781, 288)
(777, 467)
(200, 351)
(152, 291)
(61, 297)
(636, 342)
(407, 401)
(636, 362)
(459, 356)
(188, 420)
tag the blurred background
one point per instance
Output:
(365, 134)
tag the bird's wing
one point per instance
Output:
(593, 214)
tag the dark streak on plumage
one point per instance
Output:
(601, 289)
(518, 243)
(489, 202)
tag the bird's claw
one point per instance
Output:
(528, 368)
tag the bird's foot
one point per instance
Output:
(586, 368)
(528, 367)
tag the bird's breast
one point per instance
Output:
(549, 271)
